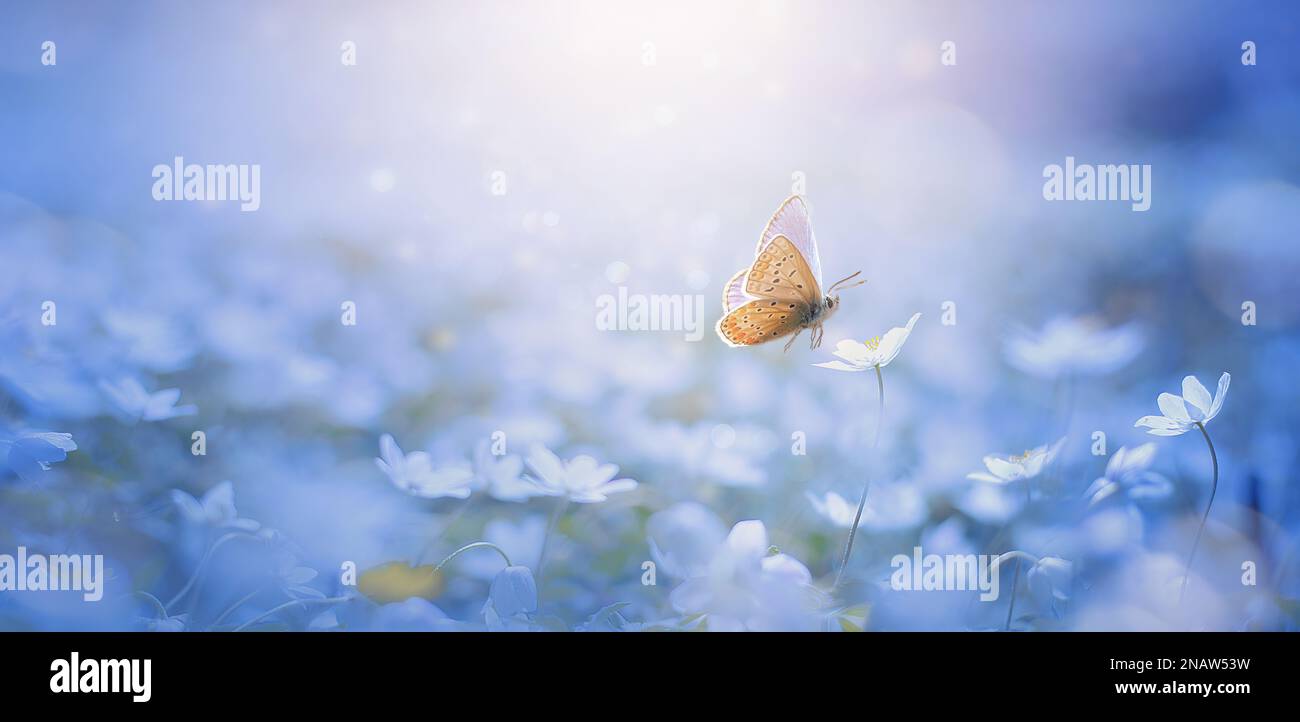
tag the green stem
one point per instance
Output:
(1214, 486)
(862, 503)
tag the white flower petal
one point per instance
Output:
(981, 476)
(1197, 395)
(389, 450)
(616, 486)
(840, 366)
(1157, 422)
(1003, 469)
(546, 465)
(748, 539)
(852, 351)
(1173, 407)
(1219, 395)
(893, 341)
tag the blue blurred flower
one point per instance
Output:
(413, 615)
(29, 453)
(1129, 470)
(215, 511)
(1073, 346)
(513, 592)
(133, 403)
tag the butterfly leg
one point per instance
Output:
(790, 343)
(815, 341)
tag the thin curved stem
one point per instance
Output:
(862, 503)
(1011, 605)
(473, 545)
(1214, 486)
(286, 605)
(157, 604)
(446, 527)
(231, 609)
(560, 506)
(198, 570)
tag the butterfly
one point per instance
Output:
(781, 292)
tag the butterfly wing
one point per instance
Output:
(733, 294)
(793, 221)
(780, 272)
(759, 321)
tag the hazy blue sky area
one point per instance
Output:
(448, 193)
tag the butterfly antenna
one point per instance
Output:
(842, 280)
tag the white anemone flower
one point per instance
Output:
(1006, 469)
(873, 353)
(1129, 470)
(1181, 414)
(581, 479)
(890, 507)
(500, 476)
(414, 473)
(1073, 345)
(746, 587)
(835, 508)
(1195, 408)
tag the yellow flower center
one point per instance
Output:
(872, 343)
(1023, 457)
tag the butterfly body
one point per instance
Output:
(780, 293)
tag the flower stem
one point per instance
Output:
(446, 527)
(853, 530)
(286, 605)
(203, 562)
(474, 545)
(1214, 486)
(560, 506)
(1011, 605)
(231, 609)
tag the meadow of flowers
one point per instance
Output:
(381, 400)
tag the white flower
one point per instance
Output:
(500, 475)
(683, 538)
(876, 352)
(1006, 469)
(745, 587)
(1049, 578)
(1128, 469)
(1073, 345)
(215, 509)
(581, 479)
(889, 507)
(1182, 413)
(834, 507)
(414, 473)
(134, 403)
